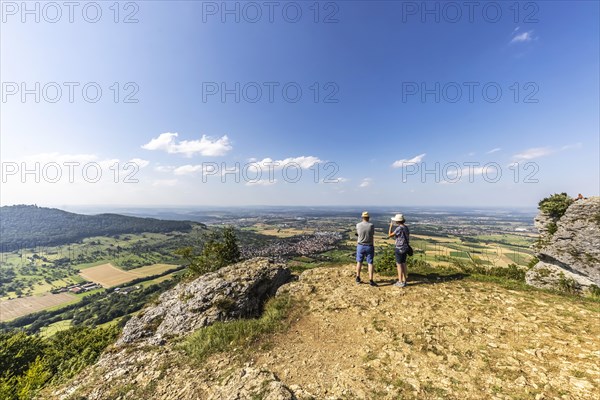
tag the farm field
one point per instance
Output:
(108, 275)
(10, 309)
(493, 250)
(159, 280)
(153, 269)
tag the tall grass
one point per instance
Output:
(242, 333)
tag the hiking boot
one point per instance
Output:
(372, 283)
(399, 284)
(358, 279)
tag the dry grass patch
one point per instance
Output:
(107, 275)
(11, 309)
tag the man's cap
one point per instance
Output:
(398, 218)
(365, 214)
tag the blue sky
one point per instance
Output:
(375, 135)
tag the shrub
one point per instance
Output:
(532, 262)
(512, 271)
(552, 228)
(385, 262)
(555, 205)
(567, 284)
(594, 291)
(35, 361)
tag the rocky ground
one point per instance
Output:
(458, 339)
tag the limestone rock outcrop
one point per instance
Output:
(571, 255)
(236, 291)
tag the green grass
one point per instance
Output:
(92, 264)
(242, 333)
(160, 279)
(518, 258)
(52, 329)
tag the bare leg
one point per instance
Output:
(358, 267)
(403, 273)
(399, 268)
(370, 271)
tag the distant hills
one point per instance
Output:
(24, 226)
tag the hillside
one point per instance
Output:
(436, 339)
(24, 226)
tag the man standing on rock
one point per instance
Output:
(365, 246)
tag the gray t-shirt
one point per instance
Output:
(402, 234)
(366, 232)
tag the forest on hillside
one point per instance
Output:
(27, 226)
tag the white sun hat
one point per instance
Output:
(398, 218)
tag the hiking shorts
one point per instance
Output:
(363, 250)
(400, 256)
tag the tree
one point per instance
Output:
(216, 253)
(18, 350)
(231, 250)
(555, 205)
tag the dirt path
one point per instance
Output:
(457, 339)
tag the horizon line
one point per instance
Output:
(176, 206)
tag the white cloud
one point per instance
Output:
(187, 169)
(334, 181)
(404, 162)
(164, 168)
(497, 149)
(304, 162)
(522, 37)
(206, 146)
(538, 152)
(139, 162)
(207, 169)
(532, 153)
(571, 146)
(366, 182)
(264, 167)
(262, 182)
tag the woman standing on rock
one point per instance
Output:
(401, 234)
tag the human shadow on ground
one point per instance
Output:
(425, 279)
